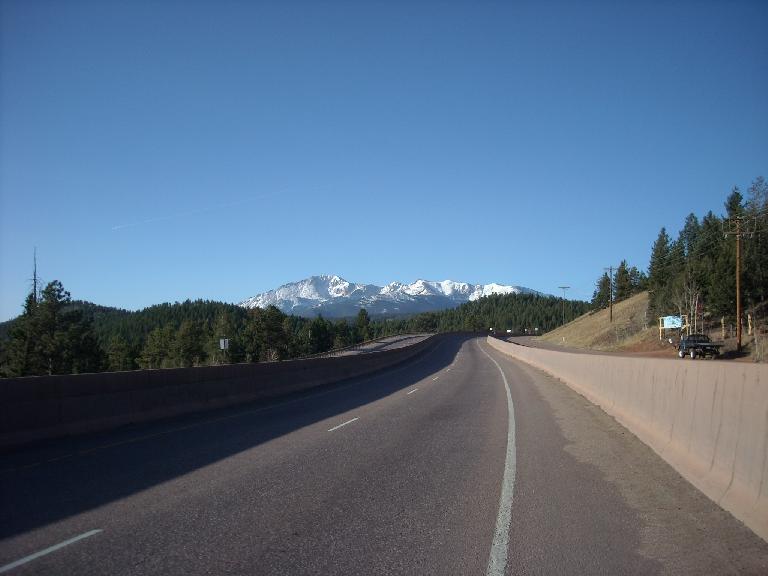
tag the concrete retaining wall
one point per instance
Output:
(709, 420)
(42, 407)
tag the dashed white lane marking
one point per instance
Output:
(309, 396)
(435, 378)
(411, 392)
(449, 369)
(343, 424)
(37, 555)
(497, 562)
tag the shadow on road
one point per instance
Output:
(59, 479)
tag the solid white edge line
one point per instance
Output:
(411, 392)
(36, 555)
(497, 562)
(344, 424)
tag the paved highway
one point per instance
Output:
(382, 344)
(429, 468)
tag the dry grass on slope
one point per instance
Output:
(631, 329)
(634, 331)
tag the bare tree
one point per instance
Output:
(685, 297)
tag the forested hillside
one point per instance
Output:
(516, 312)
(56, 335)
(695, 273)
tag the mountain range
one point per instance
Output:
(334, 297)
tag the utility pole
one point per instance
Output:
(563, 288)
(610, 291)
(739, 232)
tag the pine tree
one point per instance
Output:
(756, 246)
(23, 356)
(622, 283)
(701, 262)
(52, 340)
(52, 337)
(734, 204)
(426, 322)
(157, 349)
(659, 273)
(602, 295)
(722, 293)
(269, 333)
(188, 350)
(341, 334)
(119, 356)
(363, 325)
(637, 279)
(251, 336)
(84, 354)
(320, 335)
(689, 234)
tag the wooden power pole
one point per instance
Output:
(738, 231)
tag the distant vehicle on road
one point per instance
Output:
(695, 345)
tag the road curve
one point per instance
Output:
(398, 473)
(383, 344)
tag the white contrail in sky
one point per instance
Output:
(192, 212)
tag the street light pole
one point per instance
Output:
(563, 288)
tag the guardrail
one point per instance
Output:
(39, 407)
(708, 420)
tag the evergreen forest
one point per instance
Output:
(58, 335)
(695, 273)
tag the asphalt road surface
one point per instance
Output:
(382, 344)
(423, 469)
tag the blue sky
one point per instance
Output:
(159, 151)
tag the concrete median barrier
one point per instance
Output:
(709, 420)
(36, 408)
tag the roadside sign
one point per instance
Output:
(672, 322)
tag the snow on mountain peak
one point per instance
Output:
(418, 288)
(489, 289)
(391, 288)
(333, 296)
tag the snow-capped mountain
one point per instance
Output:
(335, 297)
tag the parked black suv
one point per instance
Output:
(695, 345)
